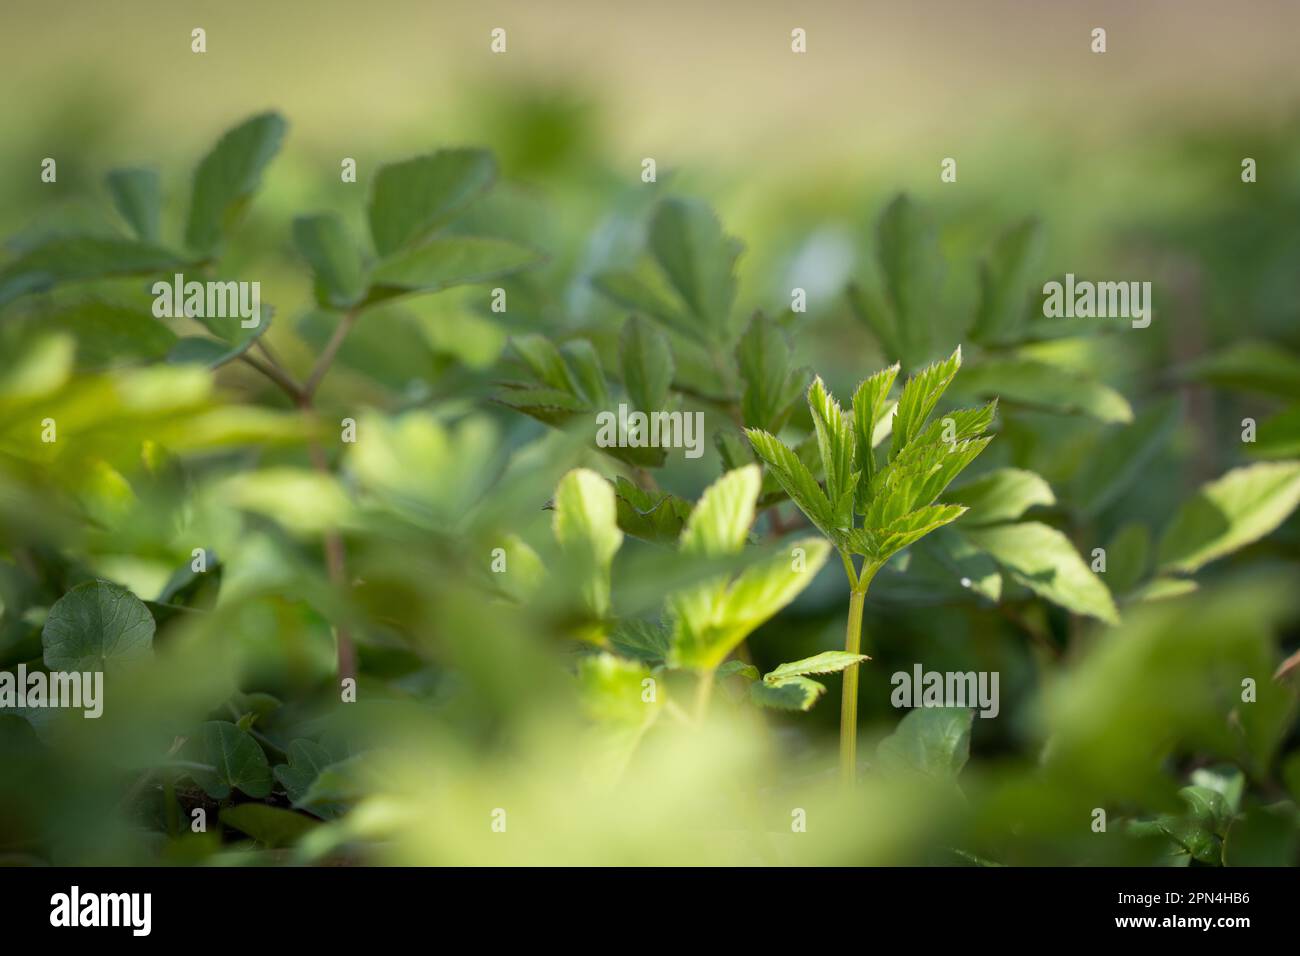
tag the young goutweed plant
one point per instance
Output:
(873, 508)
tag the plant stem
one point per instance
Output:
(327, 356)
(853, 645)
(703, 692)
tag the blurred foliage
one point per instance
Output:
(559, 646)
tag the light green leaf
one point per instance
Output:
(827, 662)
(138, 199)
(1229, 513)
(835, 442)
(611, 691)
(238, 762)
(446, 262)
(794, 477)
(640, 640)
(795, 693)
(738, 669)
(919, 397)
(647, 365)
(323, 241)
(720, 523)
(1004, 494)
(870, 402)
(930, 741)
(94, 626)
(1043, 560)
(414, 198)
(586, 527)
(227, 177)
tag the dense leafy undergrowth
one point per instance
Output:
(351, 601)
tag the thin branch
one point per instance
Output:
(327, 356)
(288, 385)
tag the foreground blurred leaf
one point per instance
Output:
(272, 827)
(1229, 513)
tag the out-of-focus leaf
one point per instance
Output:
(323, 241)
(414, 198)
(647, 365)
(720, 523)
(1005, 277)
(446, 262)
(138, 199)
(1128, 556)
(586, 526)
(76, 258)
(1251, 367)
(1229, 513)
(1004, 494)
(273, 827)
(1042, 386)
(794, 693)
(931, 741)
(227, 177)
(1119, 455)
(699, 259)
(771, 385)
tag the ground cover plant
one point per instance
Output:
(398, 574)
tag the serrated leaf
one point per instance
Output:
(1043, 560)
(587, 375)
(720, 522)
(323, 241)
(795, 693)
(650, 517)
(870, 403)
(586, 526)
(921, 393)
(447, 262)
(771, 386)
(827, 662)
(794, 477)
(227, 177)
(1229, 513)
(699, 260)
(633, 290)
(238, 762)
(836, 445)
(414, 198)
(880, 543)
(95, 626)
(138, 200)
(931, 741)
(640, 640)
(1004, 494)
(647, 362)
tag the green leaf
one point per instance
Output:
(836, 444)
(921, 393)
(1279, 435)
(794, 477)
(1128, 555)
(640, 640)
(898, 299)
(869, 403)
(647, 365)
(414, 198)
(720, 523)
(1042, 386)
(1120, 455)
(586, 527)
(1229, 513)
(94, 626)
(699, 259)
(587, 375)
(827, 662)
(1004, 494)
(138, 200)
(771, 386)
(1260, 367)
(930, 741)
(546, 362)
(795, 693)
(109, 334)
(227, 177)
(1043, 560)
(273, 827)
(306, 761)
(738, 669)
(1005, 278)
(651, 517)
(446, 262)
(323, 241)
(611, 691)
(634, 290)
(79, 258)
(238, 762)
(881, 543)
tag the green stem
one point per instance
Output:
(849, 701)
